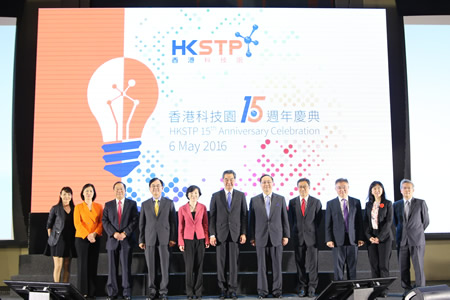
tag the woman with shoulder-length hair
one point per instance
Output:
(61, 235)
(193, 238)
(88, 224)
(378, 218)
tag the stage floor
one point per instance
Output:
(250, 297)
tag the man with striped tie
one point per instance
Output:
(344, 230)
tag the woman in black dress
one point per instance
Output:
(61, 234)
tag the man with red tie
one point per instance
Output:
(120, 220)
(304, 214)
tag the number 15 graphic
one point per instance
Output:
(256, 112)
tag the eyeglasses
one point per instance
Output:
(156, 186)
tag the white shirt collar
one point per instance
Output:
(226, 192)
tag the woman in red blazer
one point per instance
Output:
(193, 238)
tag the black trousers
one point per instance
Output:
(87, 262)
(122, 254)
(230, 249)
(379, 256)
(194, 251)
(306, 259)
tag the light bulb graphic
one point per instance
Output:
(122, 94)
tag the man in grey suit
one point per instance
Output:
(120, 220)
(227, 228)
(304, 214)
(410, 219)
(157, 226)
(344, 230)
(268, 232)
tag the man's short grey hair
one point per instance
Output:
(405, 181)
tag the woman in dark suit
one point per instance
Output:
(378, 217)
(61, 235)
(193, 238)
(88, 224)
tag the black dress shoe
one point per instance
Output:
(127, 298)
(260, 297)
(111, 298)
(302, 293)
(233, 296)
(222, 296)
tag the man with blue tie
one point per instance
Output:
(227, 228)
(120, 220)
(269, 233)
(344, 230)
(410, 219)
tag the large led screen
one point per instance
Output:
(8, 42)
(427, 40)
(184, 94)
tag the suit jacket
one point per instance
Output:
(224, 221)
(187, 226)
(304, 228)
(385, 217)
(411, 232)
(161, 228)
(55, 222)
(335, 226)
(128, 222)
(87, 221)
(261, 227)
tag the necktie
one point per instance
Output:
(407, 204)
(303, 206)
(268, 205)
(345, 208)
(119, 212)
(156, 207)
(229, 199)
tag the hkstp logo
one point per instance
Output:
(209, 47)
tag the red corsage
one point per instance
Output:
(381, 205)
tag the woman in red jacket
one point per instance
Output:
(193, 238)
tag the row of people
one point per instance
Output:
(266, 227)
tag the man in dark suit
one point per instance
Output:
(120, 220)
(227, 228)
(268, 232)
(410, 219)
(157, 226)
(304, 215)
(344, 230)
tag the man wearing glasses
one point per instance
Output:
(158, 229)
